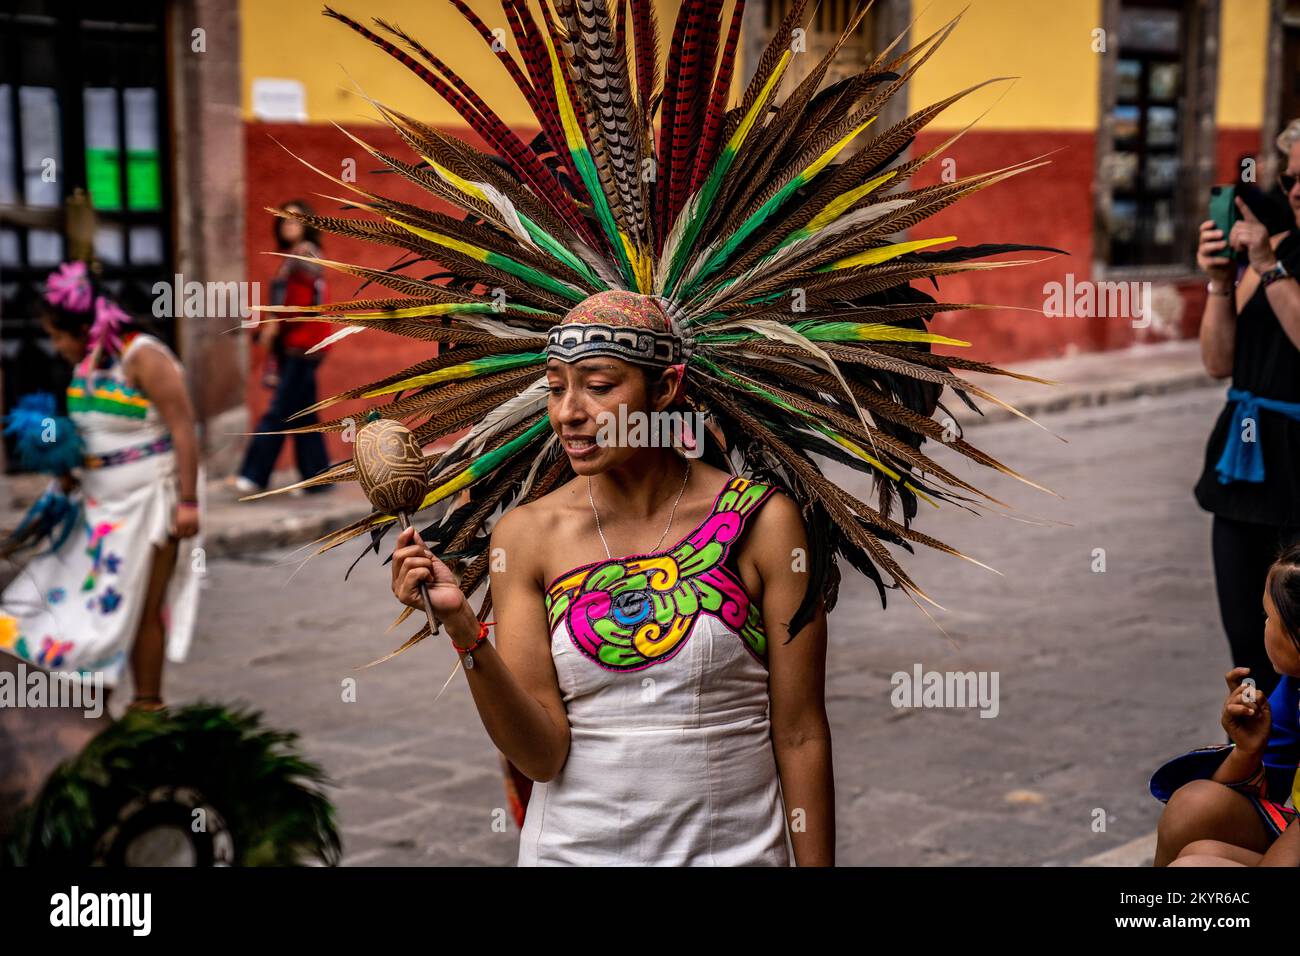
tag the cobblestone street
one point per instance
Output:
(1101, 675)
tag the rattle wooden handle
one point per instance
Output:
(434, 624)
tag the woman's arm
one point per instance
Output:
(514, 684)
(153, 372)
(801, 734)
(1251, 236)
(1219, 318)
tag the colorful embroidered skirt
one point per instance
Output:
(77, 609)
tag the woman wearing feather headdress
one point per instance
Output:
(741, 264)
(632, 676)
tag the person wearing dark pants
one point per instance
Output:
(1250, 330)
(290, 363)
(295, 391)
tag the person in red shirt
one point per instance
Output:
(290, 368)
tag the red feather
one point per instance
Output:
(711, 142)
(698, 53)
(663, 179)
(486, 123)
(529, 38)
(645, 40)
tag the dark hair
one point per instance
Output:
(309, 233)
(1284, 589)
(651, 376)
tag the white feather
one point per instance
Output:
(767, 265)
(333, 337)
(524, 405)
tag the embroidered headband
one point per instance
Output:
(625, 325)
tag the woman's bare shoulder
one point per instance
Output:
(776, 529)
(539, 517)
(522, 530)
(148, 359)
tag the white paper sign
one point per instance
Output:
(279, 101)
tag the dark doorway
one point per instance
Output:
(83, 105)
(1290, 64)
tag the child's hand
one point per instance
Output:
(1246, 714)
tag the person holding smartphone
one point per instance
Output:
(1250, 331)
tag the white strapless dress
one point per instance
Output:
(670, 761)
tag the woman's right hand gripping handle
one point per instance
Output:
(513, 683)
(413, 565)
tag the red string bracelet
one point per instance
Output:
(482, 636)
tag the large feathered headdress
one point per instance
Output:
(768, 236)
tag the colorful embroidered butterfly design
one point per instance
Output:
(52, 651)
(632, 612)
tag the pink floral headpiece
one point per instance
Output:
(68, 287)
(109, 319)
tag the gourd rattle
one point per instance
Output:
(392, 473)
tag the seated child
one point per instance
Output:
(1241, 799)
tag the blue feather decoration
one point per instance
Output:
(44, 441)
(54, 515)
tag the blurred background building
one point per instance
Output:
(174, 119)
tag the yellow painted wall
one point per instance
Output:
(1243, 59)
(291, 39)
(1046, 43)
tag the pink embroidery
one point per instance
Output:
(631, 613)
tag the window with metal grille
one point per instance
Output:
(1155, 159)
(826, 21)
(83, 105)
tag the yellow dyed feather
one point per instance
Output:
(884, 253)
(842, 202)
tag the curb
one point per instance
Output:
(1065, 399)
(1140, 852)
(279, 532)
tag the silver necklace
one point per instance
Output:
(671, 514)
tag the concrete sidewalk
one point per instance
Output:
(1097, 378)
(1091, 378)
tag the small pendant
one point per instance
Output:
(469, 660)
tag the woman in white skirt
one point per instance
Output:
(121, 589)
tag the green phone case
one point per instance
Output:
(1223, 210)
